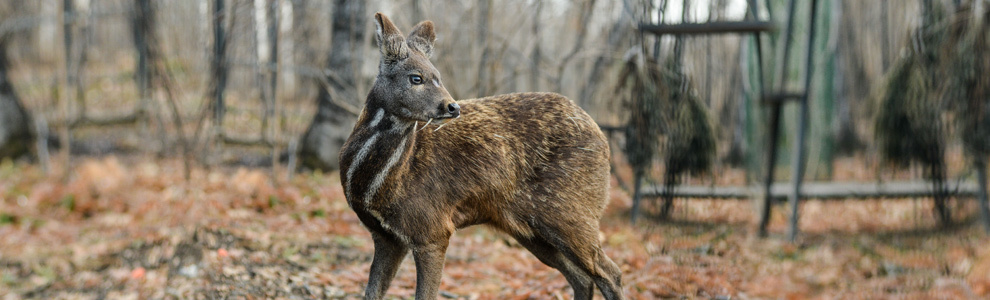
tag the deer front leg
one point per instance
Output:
(389, 253)
(429, 269)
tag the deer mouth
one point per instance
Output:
(445, 117)
(441, 120)
(449, 111)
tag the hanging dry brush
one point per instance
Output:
(908, 122)
(662, 104)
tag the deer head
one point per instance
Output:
(408, 86)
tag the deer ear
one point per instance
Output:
(422, 37)
(390, 40)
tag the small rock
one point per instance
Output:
(191, 271)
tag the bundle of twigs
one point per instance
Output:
(945, 72)
(662, 104)
(641, 95)
(968, 83)
(968, 93)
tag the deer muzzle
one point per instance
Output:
(453, 110)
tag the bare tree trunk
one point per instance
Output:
(265, 16)
(153, 72)
(273, 64)
(285, 24)
(48, 31)
(269, 133)
(219, 70)
(417, 11)
(204, 34)
(65, 107)
(142, 26)
(484, 67)
(619, 33)
(713, 8)
(535, 56)
(142, 76)
(85, 18)
(335, 101)
(884, 35)
(583, 19)
(305, 30)
(15, 130)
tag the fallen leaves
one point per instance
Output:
(132, 227)
(979, 275)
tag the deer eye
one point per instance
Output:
(415, 79)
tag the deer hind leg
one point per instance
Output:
(389, 253)
(578, 242)
(609, 280)
(583, 287)
(593, 261)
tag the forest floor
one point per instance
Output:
(132, 227)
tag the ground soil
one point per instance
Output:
(134, 228)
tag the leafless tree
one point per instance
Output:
(15, 123)
(337, 100)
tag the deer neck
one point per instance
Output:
(382, 144)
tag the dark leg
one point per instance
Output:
(600, 268)
(609, 277)
(578, 242)
(577, 278)
(389, 253)
(429, 267)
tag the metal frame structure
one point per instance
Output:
(776, 100)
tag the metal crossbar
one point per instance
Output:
(820, 190)
(730, 27)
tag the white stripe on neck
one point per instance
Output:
(378, 118)
(358, 159)
(376, 183)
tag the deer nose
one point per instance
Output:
(454, 109)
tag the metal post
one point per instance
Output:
(981, 176)
(779, 75)
(754, 15)
(637, 196)
(797, 163)
(771, 161)
(65, 137)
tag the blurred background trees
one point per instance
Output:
(240, 81)
(15, 125)
(338, 98)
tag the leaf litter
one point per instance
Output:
(133, 228)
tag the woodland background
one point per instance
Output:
(192, 149)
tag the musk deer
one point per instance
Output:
(419, 166)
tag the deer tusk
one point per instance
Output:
(424, 125)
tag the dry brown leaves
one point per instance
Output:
(133, 228)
